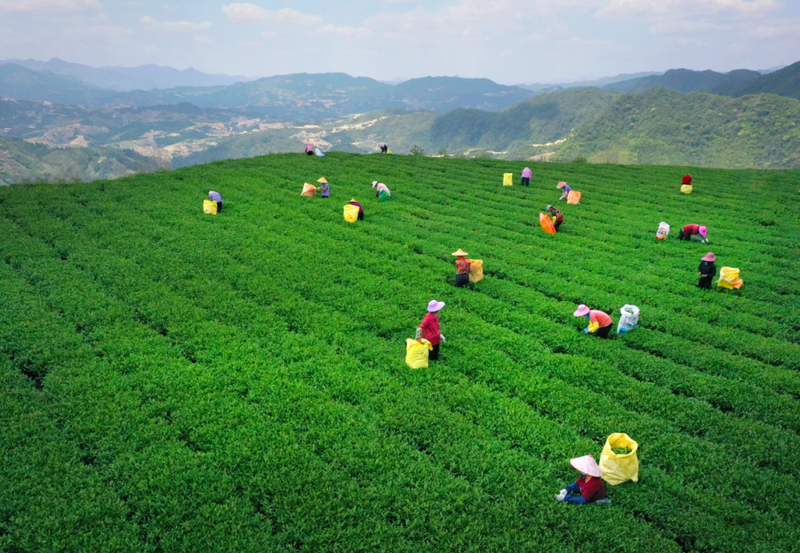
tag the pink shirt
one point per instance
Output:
(383, 188)
(600, 318)
(527, 173)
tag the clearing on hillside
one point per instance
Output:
(174, 381)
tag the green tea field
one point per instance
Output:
(180, 382)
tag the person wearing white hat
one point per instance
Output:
(382, 190)
(429, 328)
(589, 487)
(463, 267)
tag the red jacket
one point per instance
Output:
(430, 328)
(592, 490)
(687, 179)
(690, 230)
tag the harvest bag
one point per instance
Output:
(309, 190)
(686, 188)
(351, 213)
(729, 278)
(619, 468)
(209, 207)
(574, 197)
(417, 353)
(629, 318)
(663, 231)
(475, 270)
(508, 179)
(547, 224)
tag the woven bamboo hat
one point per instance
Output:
(322, 180)
(459, 253)
(586, 465)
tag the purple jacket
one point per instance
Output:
(325, 190)
(527, 173)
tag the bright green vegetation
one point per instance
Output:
(180, 382)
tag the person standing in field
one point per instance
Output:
(215, 197)
(599, 318)
(384, 148)
(309, 150)
(526, 176)
(696, 232)
(360, 208)
(556, 215)
(324, 189)
(589, 487)
(707, 271)
(429, 329)
(462, 268)
(565, 189)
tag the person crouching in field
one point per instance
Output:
(565, 190)
(429, 329)
(589, 487)
(215, 197)
(360, 208)
(384, 148)
(462, 268)
(707, 271)
(556, 215)
(526, 176)
(694, 232)
(309, 150)
(382, 191)
(687, 179)
(598, 319)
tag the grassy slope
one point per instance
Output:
(174, 381)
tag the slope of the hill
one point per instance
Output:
(19, 82)
(445, 93)
(686, 80)
(784, 82)
(669, 128)
(21, 161)
(173, 381)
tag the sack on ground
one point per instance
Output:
(729, 278)
(351, 213)
(547, 224)
(319, 153)
(618, 468)
(574, 197)
(417, 353)
(309, 190)
(508, 179)
(663, 231)
(686, 188)
(629, 318)
(475, 270)
(209, 207)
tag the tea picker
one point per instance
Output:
(309, 150)
(565, 190)
(215, 197)
(706, 271)
(353, 202)
(381, 190)
(694, 232)
(556, 215)
(429, 329)
(462, 268)
(589, 487)
(599, 323)
(526, 177)
(325, 190)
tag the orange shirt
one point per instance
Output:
(600, 318)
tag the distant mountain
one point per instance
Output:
(599, 83)
(784, 82)
(446, 93)
(685, 80)
(18, 82)
(665, 127)
(21, 161)
(123, 79)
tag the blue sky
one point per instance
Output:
(509, 41)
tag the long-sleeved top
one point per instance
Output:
(358, 205)
(430, 328)
(559, 217)
(590, 491)
(214, 196)
(382, 188)
(687, 179)
(600, 318)
(565, 191)
(691, 230)
(527, 173)
(707, 269)
(309, 148)
(325, 190)
(462, 266)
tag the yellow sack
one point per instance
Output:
(475, 270)
(729, 278)
(686, 188)
(574, 197)
(508, 179)
(417, 353)
(209, 207)
(388, 151)
(593, 326)
(619, 468)
(309, 190)
(351, 213)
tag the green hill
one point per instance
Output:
(174, 381)
(784, 82)
(668, 128)
(686, 80)
(21, 161)
(18, 82)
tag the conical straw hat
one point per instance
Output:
(322, 180)
(586, 465)
(459, 253)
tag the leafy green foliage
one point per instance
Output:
(177, 381)
(686, 80)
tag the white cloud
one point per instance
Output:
(777, 30)
(46, 7)
(174, 26)
(677, 27)
(681, 8)
(241, 12)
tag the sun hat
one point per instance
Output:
(709, 257)
(322, 180)
(434, 306)
(582, 310)
(561, 184)
(374, 183)
(548, 208)
(703, 231)
(586, 465)
(459, 253)
(353, 199)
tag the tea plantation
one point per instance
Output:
(175, 381)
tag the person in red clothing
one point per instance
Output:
(687, 179)
(429, 329)
(595, 316)
(694, 232)
(360, 208)
(589, 488)
(463, 267)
